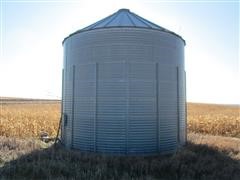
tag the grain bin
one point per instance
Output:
(124, 87)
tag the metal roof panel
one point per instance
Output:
(124, 18)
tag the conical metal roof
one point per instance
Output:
(124, 18)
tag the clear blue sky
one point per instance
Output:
(32, 33)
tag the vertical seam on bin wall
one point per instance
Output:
(127, 103)
(178, 104)
(157, 111)
(185, 101)
(61, 135)
(95, 116)
(159, 121)
(66, 70)
(73, 91)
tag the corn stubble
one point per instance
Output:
(214, 119)
(31, 119)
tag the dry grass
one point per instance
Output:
(214, 119)
(202, 158)
(30, 119)
(230, 146)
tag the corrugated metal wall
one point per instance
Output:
(182, 105)
(124, 91)
(85, 103)
(167, 113)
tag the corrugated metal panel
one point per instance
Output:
(111, 108)
(68, 105)
(182, 105)
(167, 99)
(84, 116)
(142, 108)
(127, 93)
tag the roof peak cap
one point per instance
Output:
(124, 9)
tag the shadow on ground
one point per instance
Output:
(191, 162)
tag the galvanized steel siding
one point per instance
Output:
(182, 105)
(111, 108)
(127, 92)
(67, 108)
(142, 112)
(167, 104)
(85, 102)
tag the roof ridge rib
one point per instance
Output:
(149, 22)
(140, 19)
(131, 19)
(98, 22)
(111, 19)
